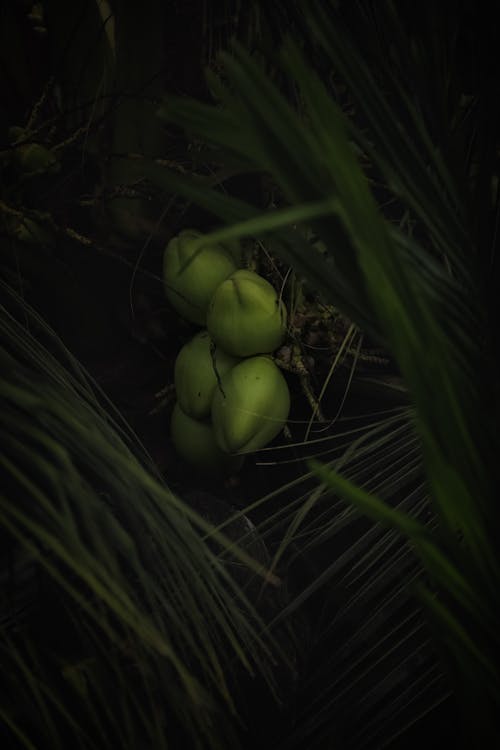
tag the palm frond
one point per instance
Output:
(81, 504)
(419, 293)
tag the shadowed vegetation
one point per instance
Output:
(353, 149)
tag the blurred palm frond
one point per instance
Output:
(118, 620)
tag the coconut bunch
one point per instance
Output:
(231, 397)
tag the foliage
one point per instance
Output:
(121, 623)
(420, 291)
(370, 136)
(143, 592)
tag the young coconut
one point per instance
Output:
(195, 442)
(250, 406)
(196, 372)
(245, 316)
(192, 275)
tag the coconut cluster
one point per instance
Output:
(231, 397)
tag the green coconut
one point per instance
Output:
(192, 274)
(196, 372)
(246, 316)
(194, 441)
(251, 405)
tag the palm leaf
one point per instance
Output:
(389, 283)
(134, 585)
